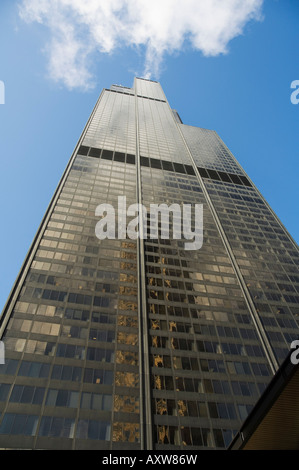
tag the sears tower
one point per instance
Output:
(139, 343)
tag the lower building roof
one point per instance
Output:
(273, 424)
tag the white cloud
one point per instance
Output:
(79, 29)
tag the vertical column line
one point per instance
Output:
(262, 197)
(14, 293)
(250, 304)
(146, 431)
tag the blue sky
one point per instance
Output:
(228, 70)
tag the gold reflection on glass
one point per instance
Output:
(182, 408)
(126, 404)
(161, 406)
(158, 361)
(153, 294)
(126, 357)
(177, 362)
(153, 308)
(125, 338)
(126, 379)
(127, 255)
(163, 435)
(125, 290)
(128, 245)
(127, 278)
(124, 320)
(127, 305)
(155, 324)
(128, 266)
(158, 385)
(125, 432)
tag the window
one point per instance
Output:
(89, 429)
(65, 398)
(56, 427)
(60, 372)
(27, 394)
(95, 401)
(4, 389)
(19, 424)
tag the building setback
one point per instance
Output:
(139, 343)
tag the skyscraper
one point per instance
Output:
(126, 343)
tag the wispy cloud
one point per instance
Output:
(79, 29)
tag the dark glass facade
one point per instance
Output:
(139, 343)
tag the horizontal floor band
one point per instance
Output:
(163, 165)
